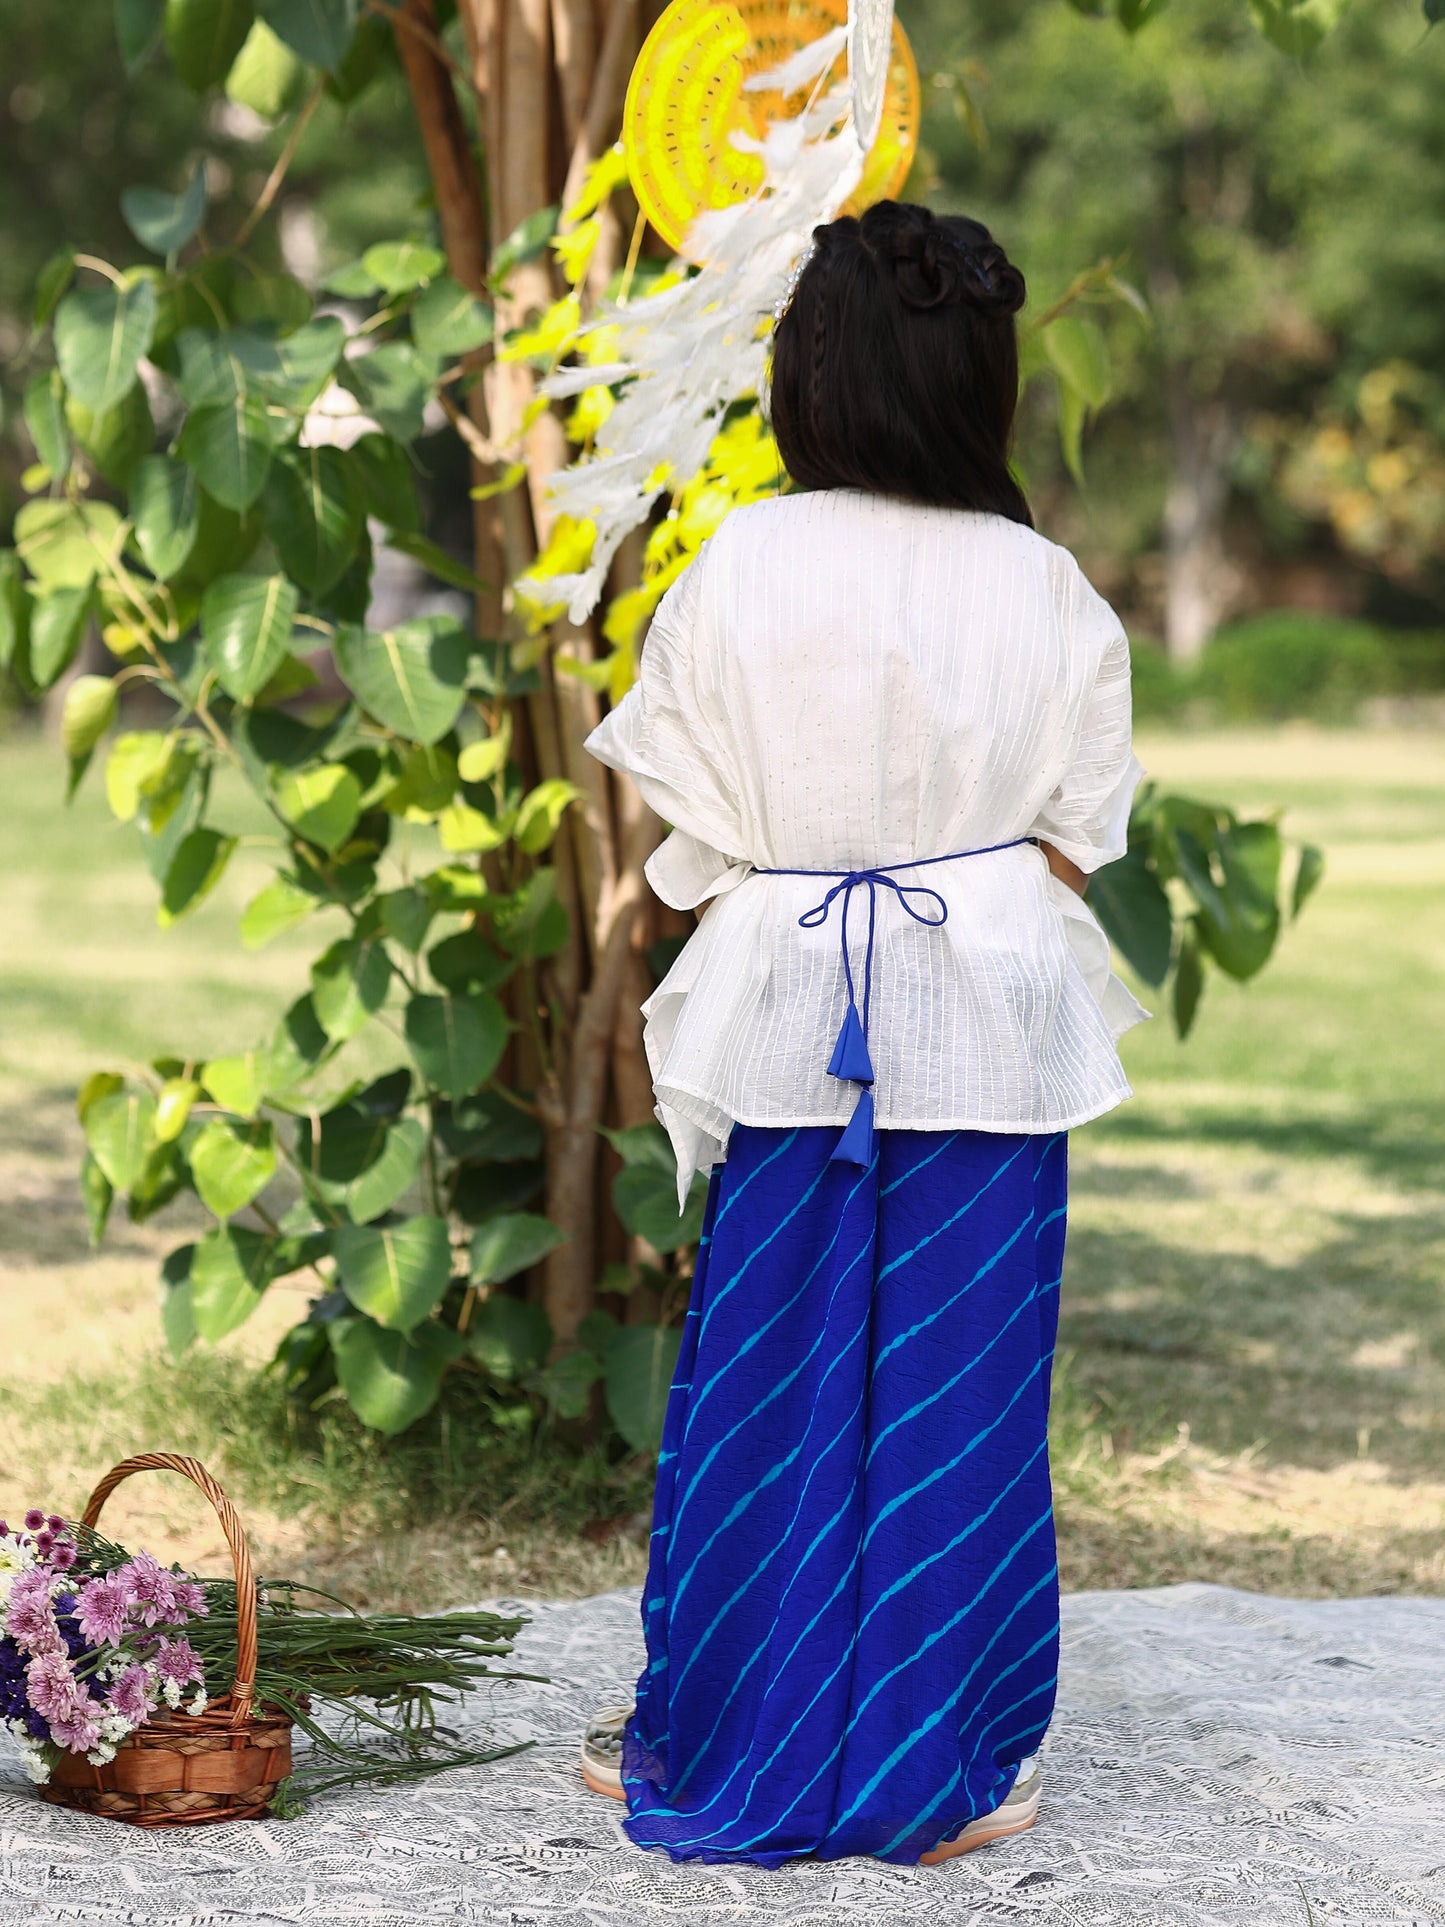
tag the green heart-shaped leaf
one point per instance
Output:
(507, 1337)
(391, 1380)
(640, 1364)
(296, 1049)
(412, 677)
(64, 544)
(349, 983)
(446, 320)
(90, 707)
(566, 1383)
(57, 625)
(246, 623)
(398, 266)
(228, 444)
(277, 908)
(266, 75)
(232, 1162)
(387, 481)
(391, 385)
(137, 30)
(1130, 903)
(44, 407)
(100, 336)
(165, 510)
(321, 804)
(203, 37)
(312, 512)
(230, 1270)
(512, 1242)
(386, 1155)
(319, 30)
(236, 1082)
(397, 1274)
(456, 1042)
(540, 814)
(120, 1130)
(165, 222)
(193, 872)
(646, 1201)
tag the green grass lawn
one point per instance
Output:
(1253, 1339)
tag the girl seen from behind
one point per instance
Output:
(889, 725)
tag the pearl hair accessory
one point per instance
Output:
(790, 286)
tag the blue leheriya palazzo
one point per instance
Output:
(851, 1610)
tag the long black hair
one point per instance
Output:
(895, 364)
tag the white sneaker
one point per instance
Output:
(602, 1750)
(1016, 1815)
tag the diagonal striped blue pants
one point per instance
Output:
(851, 1610)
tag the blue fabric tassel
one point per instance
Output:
(859, 1142)
(850, 1057)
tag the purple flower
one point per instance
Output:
(55, 1522)
(78, 1733)
(54, 1690)
(101, 1608)
(152, 1590)
(63, 1556)
(29, 1617)
(128, 1696)
(191, 1597)
(34, 1520)
(176, 1659)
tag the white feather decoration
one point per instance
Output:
(686, 354)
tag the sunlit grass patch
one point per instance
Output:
(1252, 1364)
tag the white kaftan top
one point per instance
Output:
(842, 680)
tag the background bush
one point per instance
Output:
(1289, 664)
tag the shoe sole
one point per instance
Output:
(983, 1832)
(611, 1790)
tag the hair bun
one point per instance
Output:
(928, 268)
(993, 283)
(936, 269)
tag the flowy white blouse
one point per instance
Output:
(842, 681)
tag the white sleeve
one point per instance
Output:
(1087, 817)
(660, 736)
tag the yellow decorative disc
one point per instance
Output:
(686, 99)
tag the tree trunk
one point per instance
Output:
(1200, 581)
(462, 216)
(548, 78)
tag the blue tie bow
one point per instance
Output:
(851, 1060)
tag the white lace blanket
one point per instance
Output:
(1217, 1757)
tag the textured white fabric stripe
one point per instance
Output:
(841, 680)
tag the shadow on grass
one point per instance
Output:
(1400, 1145)
(1251, 1353)
(1104, 1549)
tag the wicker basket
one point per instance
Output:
(188, 1770)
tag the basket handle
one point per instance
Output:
(243, 1687)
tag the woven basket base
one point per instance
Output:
(182, 1772)
(159, 1809)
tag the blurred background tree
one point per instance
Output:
(1272, 439)
(1284, 221)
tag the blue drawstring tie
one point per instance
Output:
(850, 1060)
